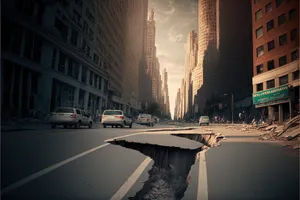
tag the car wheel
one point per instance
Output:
(123, 125)
(65, 126)
(77, 126)
(130, 126)
(90, 125)
(53, 125)
(104, 126)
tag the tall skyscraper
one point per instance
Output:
(207, 35)
(166, 92)
(133, 49)
(190, 64)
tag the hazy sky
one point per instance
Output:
(174, 19)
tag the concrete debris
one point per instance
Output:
(289, 131)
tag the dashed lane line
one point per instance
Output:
(202, 193)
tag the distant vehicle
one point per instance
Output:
(204, 120)
(116, 118)
(145, 119)
(67, 116)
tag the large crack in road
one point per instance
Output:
(170, 174)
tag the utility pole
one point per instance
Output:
(232, 108)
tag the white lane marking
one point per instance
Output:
(111, 139)
(131, 180)
(53, 167)
(202, 178)
(47, 170)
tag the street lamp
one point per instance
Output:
(231, 107)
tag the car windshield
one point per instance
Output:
(64, 110)
(112, 112)
(205, 117)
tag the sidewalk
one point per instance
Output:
(23, 124)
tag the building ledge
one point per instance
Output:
(275, 73)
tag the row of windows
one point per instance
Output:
(282, 40)
(270, 24)
(282, 81)
(281, 61)
(269, 7)
(72, 70)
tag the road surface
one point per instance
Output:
(79, 164)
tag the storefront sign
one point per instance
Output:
(273, 94)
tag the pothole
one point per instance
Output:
(170, 174)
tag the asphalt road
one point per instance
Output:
(78, 164)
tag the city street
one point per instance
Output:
(79, 164)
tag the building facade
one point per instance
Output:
(276, 58)
(71, 53)
(56, 49)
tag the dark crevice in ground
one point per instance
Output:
(170, 174)
(168, 177)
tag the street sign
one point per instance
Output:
(273, 94)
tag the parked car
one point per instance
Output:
(68, 117)
(145, 119)
(204, 120)
(116, 118)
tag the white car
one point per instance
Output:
(145, 119)
(115, 118)
(204, 120)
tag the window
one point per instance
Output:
(53, 59)
(259, 32)
(283, 80)
(269, 7)
(294, 55)
(292, 14)
(73, 68)
(270, 84)
(270, 25)
(271, 65)
(271, 45)
(260, 69)
(281, 19)
(100, 84)
(62, 62)
(279, 2)
(95, 58)
(62, 28)
(258, 14)
(260, 51)
(33, 47)
(282, 61)
(259, 87)
(91, 78)
(83, 74)
(78, 112)
(282, 39)
(85, 27)
(95, 80)
(296, 75)
(74, 37)
(293, 34)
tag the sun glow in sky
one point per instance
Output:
(174, 19)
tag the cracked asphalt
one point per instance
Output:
(79, 164)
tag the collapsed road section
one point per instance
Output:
(173, 158)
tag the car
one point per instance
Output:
(204, 120)
(116, 118)
(68, 117)
(145, 119)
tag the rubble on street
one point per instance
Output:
(289, 132)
